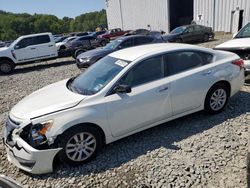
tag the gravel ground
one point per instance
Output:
(198, 150)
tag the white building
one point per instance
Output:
(222, 15)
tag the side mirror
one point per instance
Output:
(16, 47)
(122, 89)
(186, 31)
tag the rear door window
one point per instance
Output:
(178, 62)
(43, 39)
(127, 43)
(142, 40)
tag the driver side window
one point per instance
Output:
(24, 43)
(146, 71)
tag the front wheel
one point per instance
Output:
(80, 145)
(217, 98)
(6, 66)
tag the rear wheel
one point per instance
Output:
(6, 66)
(217, 98)
(80, 145)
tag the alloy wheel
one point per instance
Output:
(218, 99)
(80, 146)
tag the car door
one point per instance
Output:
(191, 74)
(198, 32)
(25, 50)
(142, 40)
(188, 34)
(148, 102)
(45, 47)
(94, 42)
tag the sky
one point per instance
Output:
(59, 8)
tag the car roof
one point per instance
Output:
(34, 35)
(133, 53)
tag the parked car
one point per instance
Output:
(240, 45)
(123, 93)
(7, 182)
(82, 44)
(112, 34)
(27, 49)
(88, 58)
(190, 33)
(63, 45)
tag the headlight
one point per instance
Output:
(38, 132)
(83, 60)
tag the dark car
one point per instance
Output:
(190, 34)
(86, 59)
(84, 43)
(2, 44)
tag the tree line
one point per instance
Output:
(14, 25)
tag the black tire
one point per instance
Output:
(77, 53)
(103, 43)
(205, 38)
(208, 107)
(68, 135)
(6, 66)
(248, 169)
(62, 47)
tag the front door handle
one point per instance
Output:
(50, 46)
(163, 89)
(207, 73)
(32, 48)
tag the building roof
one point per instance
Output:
(131, 54)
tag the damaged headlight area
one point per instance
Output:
(35, 135)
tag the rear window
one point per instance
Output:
(41, 39)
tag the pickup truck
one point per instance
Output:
(27, 49)
(113, 34)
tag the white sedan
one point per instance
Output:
(123, 93)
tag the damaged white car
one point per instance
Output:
(240, 45)
(123, 93)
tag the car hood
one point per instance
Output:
(59, 43)
(235, 43)
(52, 98)
(3, 49)
(95, 52)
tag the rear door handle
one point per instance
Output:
(32, 48)
(50, 45)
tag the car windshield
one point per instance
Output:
(97, 76)
(113, 45)
(178, 30)
(244, 32)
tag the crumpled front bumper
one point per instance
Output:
(27, 158)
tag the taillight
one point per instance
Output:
(239, 63)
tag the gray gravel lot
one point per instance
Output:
(198, 150)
